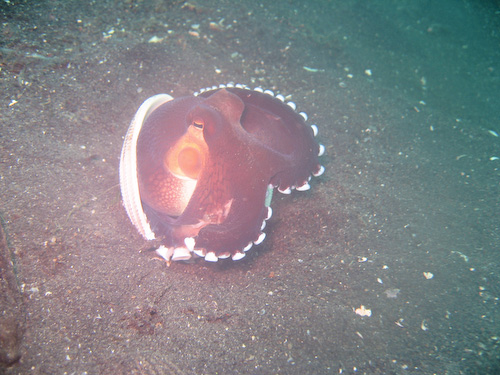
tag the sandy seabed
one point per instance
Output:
(405, 96)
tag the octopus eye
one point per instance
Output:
(198, 123)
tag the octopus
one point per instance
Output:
(198, 172)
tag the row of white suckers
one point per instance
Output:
(181, 253)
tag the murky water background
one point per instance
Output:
(404, 221)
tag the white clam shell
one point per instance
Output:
(129, 183)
